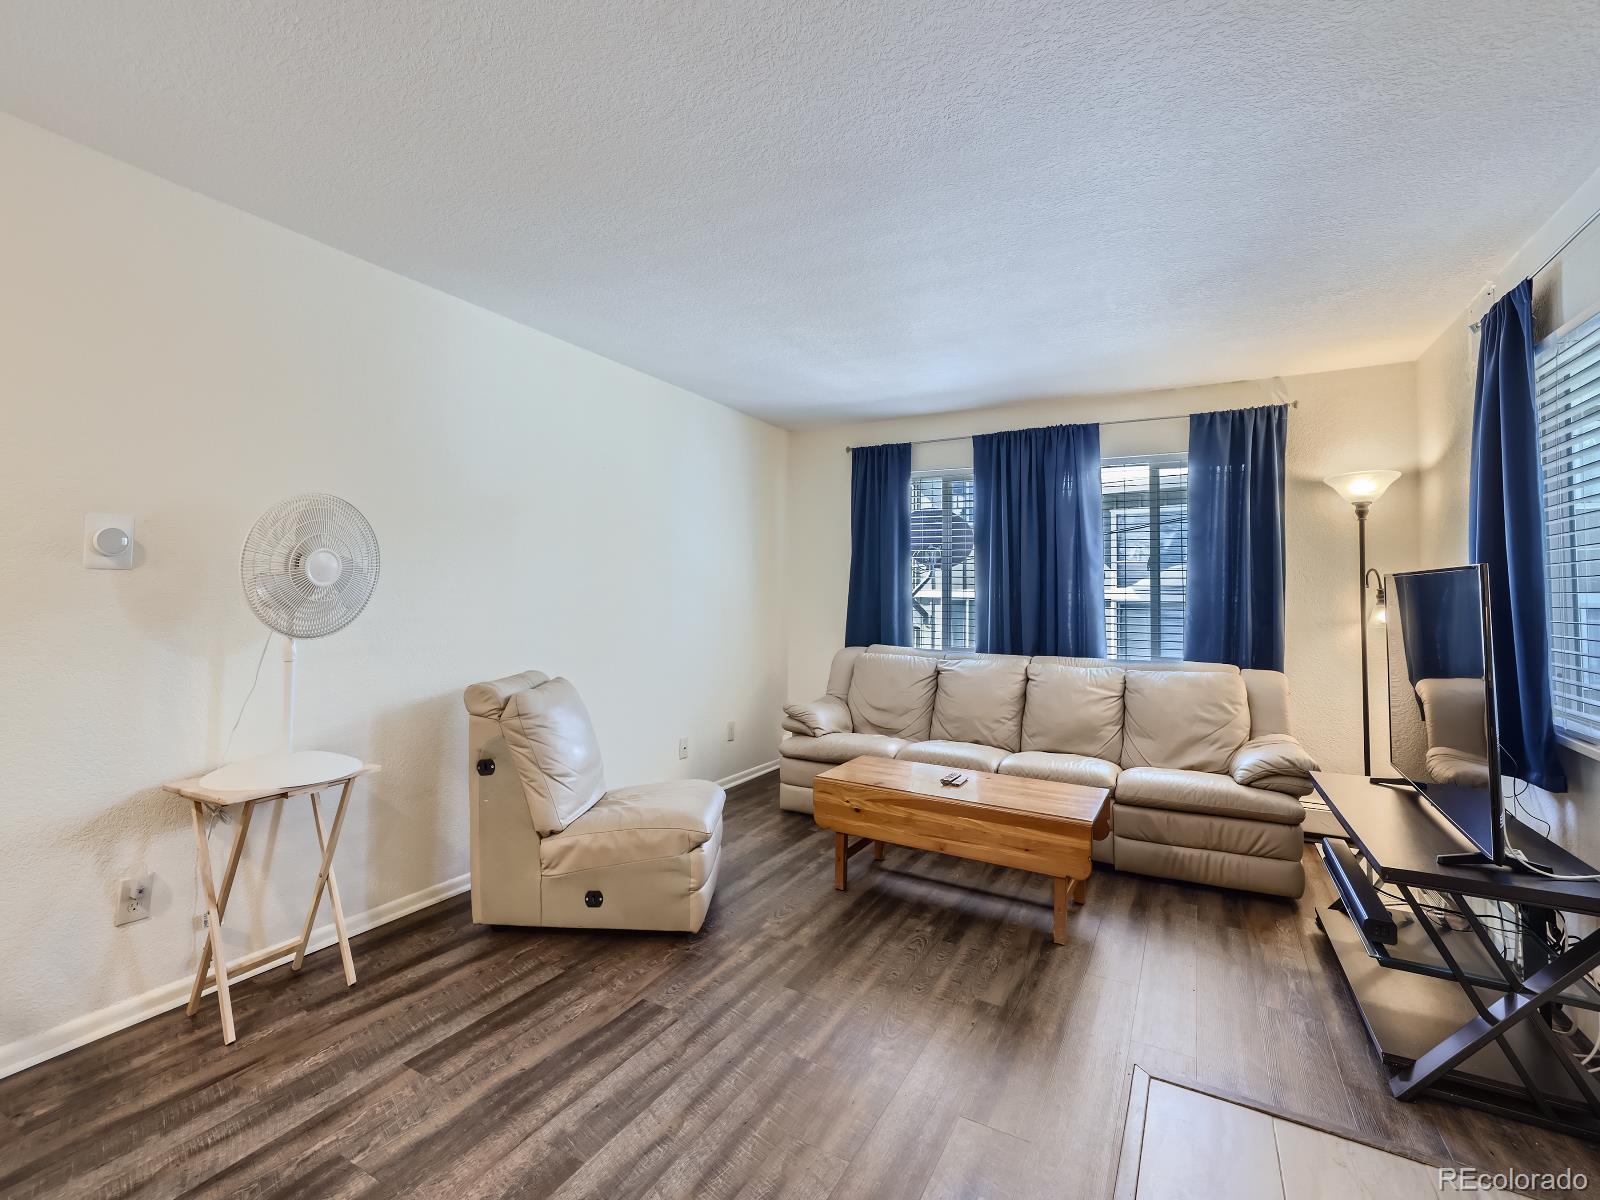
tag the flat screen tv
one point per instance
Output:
(1443, 736)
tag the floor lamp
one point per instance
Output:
(1363, 489)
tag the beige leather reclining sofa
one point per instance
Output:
(552, 845)
(1204, 773)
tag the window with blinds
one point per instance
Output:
(1144, 516)
(942, 568)
(1567, 384)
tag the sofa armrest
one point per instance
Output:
(1286, 785)
(829, 714)
(1275, 756)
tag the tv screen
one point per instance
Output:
(1442, 733)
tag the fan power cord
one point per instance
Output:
(212, 815)
(259, 660)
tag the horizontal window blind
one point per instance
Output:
(943, 602)
(1567, 384)
(1144, 516)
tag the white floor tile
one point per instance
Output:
(1320, 1166)
(1199, 1148)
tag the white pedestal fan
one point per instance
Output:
(309, 566)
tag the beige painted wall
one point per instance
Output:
(1346, 421)
(1567, 289)
(538, 506)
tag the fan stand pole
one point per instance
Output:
(288, 693)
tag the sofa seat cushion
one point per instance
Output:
(979, 700)
(1062, 768)
(1202, 831)
(1202, 792)
(893, 694)
(968, 756)
(840, 747)
(636, 824)
(1186, 720)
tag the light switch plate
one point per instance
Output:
(93, 523)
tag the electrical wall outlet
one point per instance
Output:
(133, 899)
(683, 747)
(731, 731)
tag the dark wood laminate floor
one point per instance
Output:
(917, 1037)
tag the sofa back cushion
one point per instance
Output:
(1158, 664)
(1074, 710)
(979, 699)
(892, 694)
(1269, 701)
(1452, 715)
(552, 741)
(1184, 720)
(490, 699)
(839, 672)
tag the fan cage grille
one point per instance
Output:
(272, 565)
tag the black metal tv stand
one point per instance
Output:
(1447, 1010)
(1457, 858)
(1392, 782)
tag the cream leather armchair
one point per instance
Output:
(551, 845)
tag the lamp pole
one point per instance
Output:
(1360, 489)
(1361, 507)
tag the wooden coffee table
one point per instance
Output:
(1031, 824)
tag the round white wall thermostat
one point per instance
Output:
(111, 541)
(108, 541)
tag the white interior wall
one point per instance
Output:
(1346, 421)
(538, 506)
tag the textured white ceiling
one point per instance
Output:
(828, 209)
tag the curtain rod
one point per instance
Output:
(962, 437)
(1576, 234)
(1559, 250)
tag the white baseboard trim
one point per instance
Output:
(69, 1035)
(79, 1031)
(748, 774)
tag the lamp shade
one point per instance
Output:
(1362, 487)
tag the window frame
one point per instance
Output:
(947, 598)
(1155, 463)
(1573, 738)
